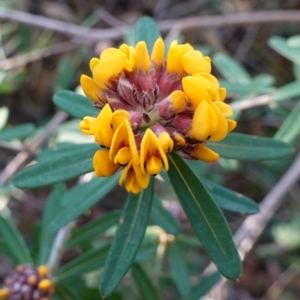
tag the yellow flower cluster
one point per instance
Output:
(152, 105)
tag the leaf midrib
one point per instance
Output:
(193, 197)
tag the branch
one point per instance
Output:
(253, 226)
(252, 102)
(23, 59)
(62, 235)
(15, 165)
(82, 32)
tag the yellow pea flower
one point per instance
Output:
(152, 105)
(152, 155)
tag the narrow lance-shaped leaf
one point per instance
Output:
(129, 235)
(80, 198)
(231, 69)
(143, 283)
(65, 292)
(85, 262)
(163, 217)
(280, 45)
(230, 200)
(178, 268)
(93, 229)
(146, 30)
(205, 217)
(288, 131)
(60, 168)
(287, 92)
(248, 147)
(75, 104)
(239, 88)
(51, 209)
(14, 241)
(203, 287)
(16, 132)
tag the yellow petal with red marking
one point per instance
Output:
(150, 146)
(123, 137)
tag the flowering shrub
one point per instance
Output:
(145, 114)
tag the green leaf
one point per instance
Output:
(250, 147)
(163, 217)
(14, 241)
(178, 269)
(203, 287)
(296, 71)
(129, 235)
(145, 251)
(80, 198)
(86, 262)
(143, 283)
(294, 41)
(16, 132)
(288, 131)
(93, 229)
(264, 80)
(92, 294)
(230, 200)
(239, 88)
(65, 292)
(4, 249)
(65, 73)
(146, 30)
(205, 217)
(4, 112)
(287, 92)
(51, 209)
(75, 104)
(61, 168)
(280, 45)
(54, 153)
(232, 70)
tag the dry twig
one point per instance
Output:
(23, 59)
(253, 102)
(246, 236)
(20, 159)
(182, 24)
